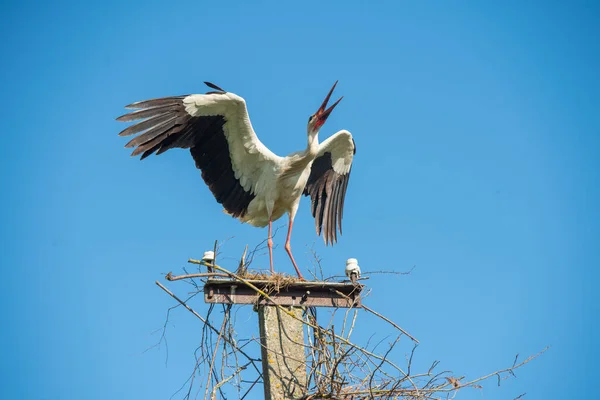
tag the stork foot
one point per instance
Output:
(300, 277)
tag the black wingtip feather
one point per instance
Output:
(147, 112)
(161, 101)
(213, 86)
(146, 124)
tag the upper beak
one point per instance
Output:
(323, 113)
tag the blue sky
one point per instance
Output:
(477, 134)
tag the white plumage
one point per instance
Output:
(251, 182)
(250, 159)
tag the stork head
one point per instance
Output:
(316, 121)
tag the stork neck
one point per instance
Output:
(313, 143)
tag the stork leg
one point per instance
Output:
(270, 244)
(288, 247)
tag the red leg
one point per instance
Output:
(270, 244)
(288, 248)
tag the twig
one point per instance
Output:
(171, 277)
(224, 381)
(390, 272)
(214, 356)
(390, 322)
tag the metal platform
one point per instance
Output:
(310, 294)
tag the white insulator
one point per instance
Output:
(352, 267)
(209, 256)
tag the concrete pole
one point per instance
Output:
(283, 353)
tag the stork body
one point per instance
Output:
(252, 183)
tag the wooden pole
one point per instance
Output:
(283, 353)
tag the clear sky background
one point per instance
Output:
(477, 130)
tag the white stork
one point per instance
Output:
(252, 183)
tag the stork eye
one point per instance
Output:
(310, 118)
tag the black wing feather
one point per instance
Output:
(162, 101)
(327, 190)
(213, 86)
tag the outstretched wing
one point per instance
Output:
(328, 182)
(216, 128)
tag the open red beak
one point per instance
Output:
(322, 114)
